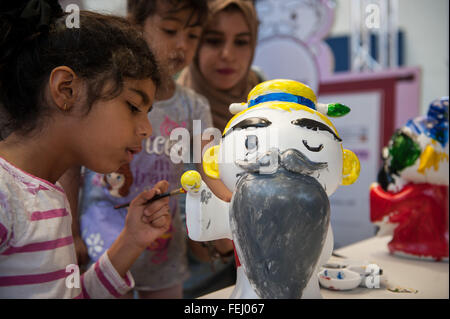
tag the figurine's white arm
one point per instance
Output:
(207, 216)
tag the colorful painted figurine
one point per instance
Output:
(281, 157)
(410, 200)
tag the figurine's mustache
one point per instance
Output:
(291, 159)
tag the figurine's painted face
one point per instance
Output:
(255, 131)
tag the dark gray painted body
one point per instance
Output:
(279, 223)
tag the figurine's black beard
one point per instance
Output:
(279, 222)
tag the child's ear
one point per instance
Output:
(211, 162)
(64, 87)
(350, 167)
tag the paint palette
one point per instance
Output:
(339, 274)
(339, 279)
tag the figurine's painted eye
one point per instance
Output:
(251, 143)
(312, 148)
(315, 126)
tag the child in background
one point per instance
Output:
(172, 29)
(222, 68)
(221, 72)
(71, 97)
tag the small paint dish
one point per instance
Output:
(339, 279)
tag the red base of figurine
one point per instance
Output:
(421, 214)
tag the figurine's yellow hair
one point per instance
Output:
(285, 86)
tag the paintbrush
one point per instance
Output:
(156, 197)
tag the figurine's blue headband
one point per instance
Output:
(435, 124)
(282, 97)
(331, 109)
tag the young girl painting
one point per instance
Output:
(69, 96)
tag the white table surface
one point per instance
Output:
(429, 278)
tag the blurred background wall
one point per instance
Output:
(425, 25)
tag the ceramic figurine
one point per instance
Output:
(410, 200)
(281, 157)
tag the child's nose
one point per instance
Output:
(145, 129)
(182, 42)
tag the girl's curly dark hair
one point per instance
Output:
(34, 39)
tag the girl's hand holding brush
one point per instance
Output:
(146, 221)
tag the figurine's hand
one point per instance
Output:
(191, 181)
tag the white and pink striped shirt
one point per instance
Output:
(37, 255)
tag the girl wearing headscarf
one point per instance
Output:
(221, 70)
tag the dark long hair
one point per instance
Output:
(34, 39)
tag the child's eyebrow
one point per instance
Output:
(314, 125)
(172, 18)
(244, 34)
(250, 122)
(213, 32)
(143, 95)
(195, 25)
